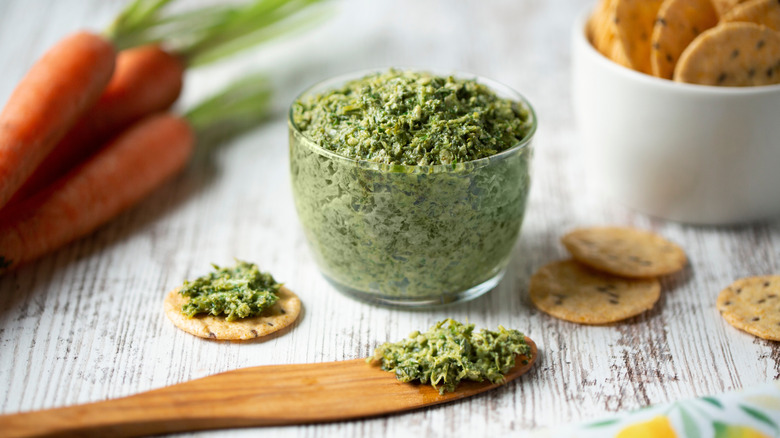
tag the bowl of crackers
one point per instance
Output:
(678, 106)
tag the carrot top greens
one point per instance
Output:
(209, 33)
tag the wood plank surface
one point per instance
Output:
(86, 323)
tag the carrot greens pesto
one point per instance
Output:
(412, 118)
(451, 352)
(411, 187)
(241, 291)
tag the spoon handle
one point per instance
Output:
(258, 396)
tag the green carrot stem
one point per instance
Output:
(208, 34)
(241, 105)
(130, 26)
(252, 29)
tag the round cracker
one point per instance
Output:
(601, 26)
(595, 25)
(678, 23)
(753, 305)
(732, 55)
(723, 6)
(626, 252)
(602, 32)
(570, 291)
(283, 313)
(635, 20)
(762, 12)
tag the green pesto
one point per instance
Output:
(412, 118)
(409, 232)
(241, 291)
(451, 352)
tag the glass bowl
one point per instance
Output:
(408, 235)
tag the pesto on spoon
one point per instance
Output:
(451, 352)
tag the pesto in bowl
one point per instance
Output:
(411, 187)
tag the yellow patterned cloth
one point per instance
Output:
(750, 413)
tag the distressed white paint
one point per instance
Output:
(66, 335)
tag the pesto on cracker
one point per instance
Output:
(232, 303)
(236, 292)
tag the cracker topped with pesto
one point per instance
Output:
(451, 352)
(235, 303)
(237, 292)
(412, 118)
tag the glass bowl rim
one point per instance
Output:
(498, 87)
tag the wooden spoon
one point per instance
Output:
(258, 396)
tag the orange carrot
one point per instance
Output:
(146, 80)
(61, 85)
(115, 178)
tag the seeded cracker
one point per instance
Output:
(626, 252)
(635, 20)
(595, 25)
(762, 12)
(570, 291)
(678, 23)
(753, 305)
(723, 6)
(283, 313)
(602, 32)
(732, 55)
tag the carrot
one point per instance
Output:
(67, 80)
(115, 178)
(146, 80)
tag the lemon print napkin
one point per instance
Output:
(750, 413)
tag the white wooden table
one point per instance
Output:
(86, 323)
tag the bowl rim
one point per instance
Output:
(496, 86)
(581, 42)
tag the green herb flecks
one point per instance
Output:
(412, 118)
(238, 292)
(451, 352)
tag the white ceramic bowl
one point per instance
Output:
(690, 153)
